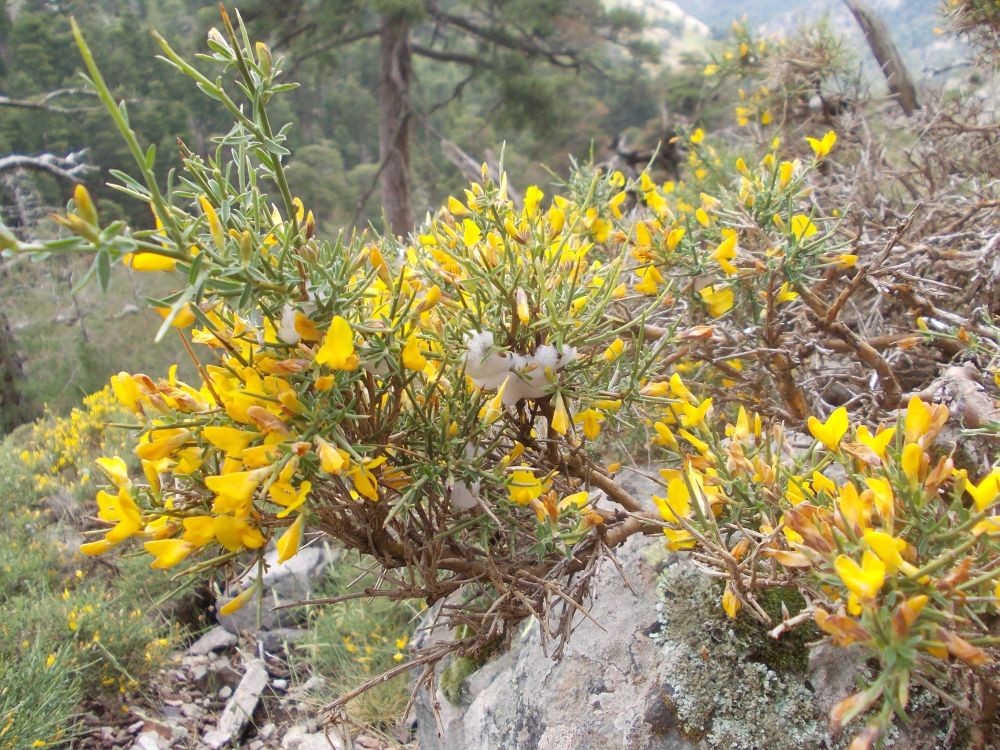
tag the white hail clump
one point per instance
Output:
(527, 375)
(286, 327)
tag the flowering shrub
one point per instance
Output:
(446, 403)
(977, 20)
(61, 448)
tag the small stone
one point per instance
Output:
(240, 707)
(225, 691)
(276, 640)
(266, 731)
(135, 727)
(280, 684)
(190, 710)
(150, 741)
(297, 738)
(215, 639)
(255, 745)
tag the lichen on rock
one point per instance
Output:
(723, 692)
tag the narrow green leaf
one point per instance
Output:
(103, 261)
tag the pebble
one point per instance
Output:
(225, 691)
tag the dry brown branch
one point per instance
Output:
(891, 391)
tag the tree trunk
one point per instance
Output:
(394, 122)
(886, 54)
(13, 409)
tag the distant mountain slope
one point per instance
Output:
(912, 22)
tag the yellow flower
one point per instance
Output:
(524, 487)
(337, 351)
(456, 207)
(115, 469)
(730, 602)
(230, 440)
(885, 500)
(785, 172)
(985, 493)
(532, 197)
(697, 136)
(168, 552)
(199, 530)
(364, 481)
(239, 600)
(912, 462)
(214, 226)
(710, 70)
(331, 459)
(725, 252)
(288, 543)
(802, 227)
(237, 485)
(888, 547)
(412, 358)
(878, 442)
(691, 415)
(821, 146)
(616, 203)
(304, 489)
(521, 306)
(235, 533)
(919, 419)
(471, 233)
(576, 500)
(591, 420)
(122, 511)
(166, 445)
(675, 506)
(149, 262)
(96, 548)
(560, 417)
(674, 238)
(614, 350)
(786, 294)
(494, 407)
(829, 433)
(649, 281)
(718, 299)
(865, 580)
(677, 503)
(700, 445)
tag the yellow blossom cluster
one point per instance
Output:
(894, 544)
(61, 449)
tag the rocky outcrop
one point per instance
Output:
(606, 692)
(285, 583)
(661, 667)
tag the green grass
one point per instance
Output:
(351, 642)
(74, 630)
(71, 344)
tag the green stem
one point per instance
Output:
(162, 210)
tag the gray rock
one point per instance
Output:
(603, 694)
(275, 640)
(287, 583)
(298, 738)
(239, 710)
(150, 741)
(215, 639)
